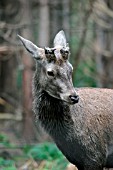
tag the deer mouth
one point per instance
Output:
(72, 102)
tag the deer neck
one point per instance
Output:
(53, 114)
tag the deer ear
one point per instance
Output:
(32, 48)
(60, 39)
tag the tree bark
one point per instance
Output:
(104, 48)
(44, 19)
(28, 126)
(56, 18)
(66, 17)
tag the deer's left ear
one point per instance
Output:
(60, 39)
(36, 52)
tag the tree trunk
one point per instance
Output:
(56, 17)
(104, 48)
(66, 17)
(44, 35)
(28, 127)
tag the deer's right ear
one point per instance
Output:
(36, 52)
(60, 39)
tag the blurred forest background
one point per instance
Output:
(88, 25)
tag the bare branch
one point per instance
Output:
(4, 25)
(10, 116)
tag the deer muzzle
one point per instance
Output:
(74, 98)
(70, 98)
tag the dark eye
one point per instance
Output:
(50, 73)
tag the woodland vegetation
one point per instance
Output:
(88, 25)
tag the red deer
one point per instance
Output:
(80, 120)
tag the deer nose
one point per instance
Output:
(74, 98)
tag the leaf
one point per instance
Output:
(10, 168)
(45, 151)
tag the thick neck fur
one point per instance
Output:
(53, 114)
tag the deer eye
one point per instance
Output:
(50, 73)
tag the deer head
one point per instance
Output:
(55, 73)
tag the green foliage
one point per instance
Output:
(4, 140)
(85, 76)
(7, 164)
(44, 151)
(47, 152)
(10, 168)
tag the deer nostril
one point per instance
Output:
(74, 98)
